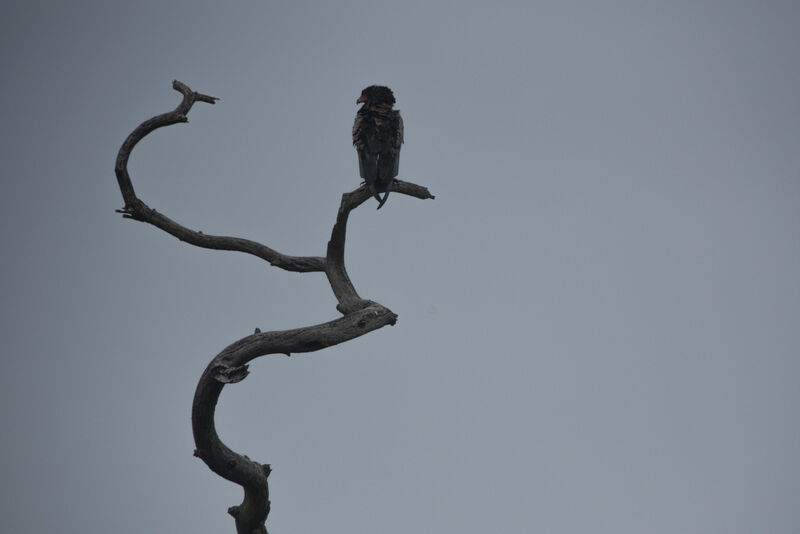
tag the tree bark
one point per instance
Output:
(360, 316)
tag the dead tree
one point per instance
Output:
(359, 316)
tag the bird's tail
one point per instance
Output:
(379, 179)
(386, 194)
(374, 192)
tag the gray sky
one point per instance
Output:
(599, 315)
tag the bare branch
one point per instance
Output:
(230, 366)
(159, 121)
(360, 316)
(136, 209)
(139, 211)
(335, 270)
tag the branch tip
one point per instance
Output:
(205, 98)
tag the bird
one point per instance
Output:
(377, 136)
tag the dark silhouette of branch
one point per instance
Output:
(337, 275)
(230, 366)
(360, 316)
(138, 210)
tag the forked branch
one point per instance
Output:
(229, 366)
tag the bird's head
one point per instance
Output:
(376, 95)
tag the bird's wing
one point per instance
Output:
(399, 135)
(367, 165)
(396, 141)
(358, 126)
(367, 160)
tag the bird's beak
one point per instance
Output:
(361, 99)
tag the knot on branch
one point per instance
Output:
(136, 209)
(227, 374)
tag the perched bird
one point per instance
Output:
(377, 136)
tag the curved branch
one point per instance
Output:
(159, 121)
(136, 209)
(230, 366)
(341, 285)
(139, 211)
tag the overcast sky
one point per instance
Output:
(599, 315)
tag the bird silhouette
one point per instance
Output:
(377, 136)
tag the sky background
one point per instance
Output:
(599, 315)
